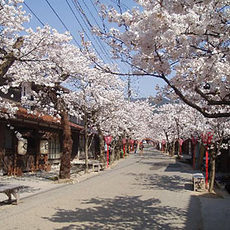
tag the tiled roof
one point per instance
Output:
(39, 117)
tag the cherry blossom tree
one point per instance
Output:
(11, 19)
(94, 98)
(173, 121)
(43, 59)
(220, 131)
(184, 43)
(130, 121)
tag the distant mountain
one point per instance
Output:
(152, 100)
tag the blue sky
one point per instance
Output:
(69, 15)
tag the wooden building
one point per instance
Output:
(32, 141)
(39, 144)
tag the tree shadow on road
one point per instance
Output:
(179, 167)
(169, 165)
(162, 182)
(156, 155)
(156, 165)
(122, 212)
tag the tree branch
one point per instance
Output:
(211, 102)
(193, 105)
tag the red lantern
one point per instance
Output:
(123, 141)
(131, 141)
(108, 140)
(132, 144)
(163, 145)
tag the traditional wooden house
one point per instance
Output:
(39, 144)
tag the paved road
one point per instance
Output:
(141, 192)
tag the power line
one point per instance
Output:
(62, 22)
(104, 26)
(59, 18)
(91, 13)
(118, 2)
(82, 27)
(34, 13)
(96, 11)
(102, 19)
(98, 39)
(87, 24)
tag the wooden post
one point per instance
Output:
(38, 154)
(123, 150)
(206, 161)
(15, 156)
(107, 155)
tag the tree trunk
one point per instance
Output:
(9, 58)
(112, 154)
(102, 147)
(67, 147)
(214, 153)
(212, 173)
(173, 149)
(167, 142)
(117, 149)
(8, 61)
(86, 146)
(127, 146)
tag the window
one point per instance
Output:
(54, 148)
(26, 90)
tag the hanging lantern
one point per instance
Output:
(108, 140)
(44, 147)
(22, 146)
(123, 141)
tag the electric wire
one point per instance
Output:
(33, 13)
(80, 10)
(87, 22)
(91, 13)
(75, 16)
(95, 8)
(105, 28)
(119, 2)
(40, 21)
(99, 40)
(102, 19)
(62, 22)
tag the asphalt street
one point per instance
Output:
(151, 191)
